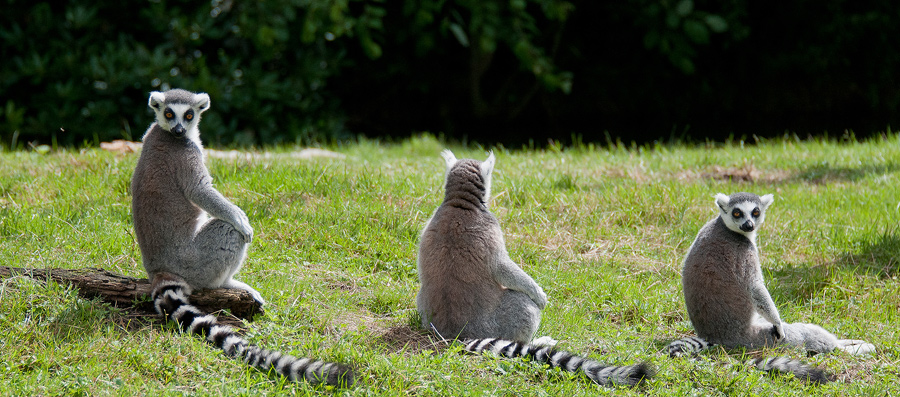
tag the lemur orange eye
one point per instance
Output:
(169, 115)
(189, 116)
(755, 213)
(736, 214)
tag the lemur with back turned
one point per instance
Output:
(471, 290)
(726, 296)
(192, 237)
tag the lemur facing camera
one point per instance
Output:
(727, 300)
(192, 237)
(471, 290)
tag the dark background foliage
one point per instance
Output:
(508, 71)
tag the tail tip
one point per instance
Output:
(341, 375)
(641, 373)
(817, 376)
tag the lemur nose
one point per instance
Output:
(747, 226)
(178, 130)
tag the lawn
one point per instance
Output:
(602, 228)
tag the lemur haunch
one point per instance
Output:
(472, 290)
(726, 297)
(183, 248)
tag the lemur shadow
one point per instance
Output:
(877, 256)
(69, 324)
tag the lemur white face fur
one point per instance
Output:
(486, 168)
(179, 114)
(743, 215)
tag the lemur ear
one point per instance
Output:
(156, 100)
(201, 101)
(722, 201)
(449, 158)
(487, 166)
(766, 201)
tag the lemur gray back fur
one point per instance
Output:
(726, 297)
(470, 288)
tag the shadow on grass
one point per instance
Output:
(799, 282)
(823, 174)
(878, 256)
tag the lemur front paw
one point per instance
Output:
(242, 225)
(541, 299)
(778, 331)
(257, 296)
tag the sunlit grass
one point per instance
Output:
(602, 228)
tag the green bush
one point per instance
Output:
(510, 71)
(80, 72)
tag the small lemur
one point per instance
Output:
(183, 249)
(470, 288)
(727, 300)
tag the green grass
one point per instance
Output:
(602, 229)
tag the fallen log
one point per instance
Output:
(130, 292)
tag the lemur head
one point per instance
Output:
(743, 212)
(467, 173)
(178, 111)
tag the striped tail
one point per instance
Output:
(600, 373)
(798, 368)
(693, 345)
(687, 346)
(170, 299)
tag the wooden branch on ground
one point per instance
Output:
(124, 291)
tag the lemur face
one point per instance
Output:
(743, 212)
(178, 111)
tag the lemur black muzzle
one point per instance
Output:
(747, 226)
(179, 131)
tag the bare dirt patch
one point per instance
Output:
(126, 147)
(408, 340)
(303, 154)
(745, 173)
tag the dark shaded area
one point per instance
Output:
(513, 71)
(879, 255)
(806, 67)
(823, 173)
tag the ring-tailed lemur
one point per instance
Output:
(472, 290)
(727, 300)
(182, 248)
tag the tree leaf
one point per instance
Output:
(684, 7)
(696, 31)
(460, 34)
(716, 23)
